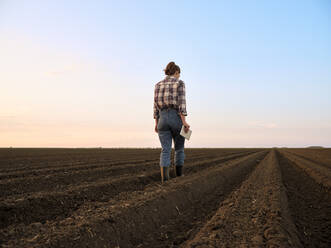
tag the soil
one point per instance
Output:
(319, 156)
(309, 203)
(254, 215)
(114, 198)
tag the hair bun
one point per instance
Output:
(171, 68)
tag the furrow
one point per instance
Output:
(322, 161)
(149, 218)
(37, 207)
(56, 182)
(84, 165)
(39, 161)
(321, 174)
(69, 166)
(254, 215)
(321, 156)
(309, 204)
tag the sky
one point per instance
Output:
(82, 73)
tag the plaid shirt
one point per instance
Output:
(170, 92)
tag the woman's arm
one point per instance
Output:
(186, 125)
(156, 112)
(182, 105)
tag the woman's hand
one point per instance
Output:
(186, 126)
(156, 128)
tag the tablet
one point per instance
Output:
(185, 135)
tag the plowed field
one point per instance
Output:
(114, 198)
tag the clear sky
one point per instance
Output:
(82, 73)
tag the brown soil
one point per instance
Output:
(114, 198)
(319, 172)
(309, 203)
(37, 206)
(320, 156)
(254, 215)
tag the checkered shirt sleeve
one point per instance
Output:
(156, 112)
(182, 98)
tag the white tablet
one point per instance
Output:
(185, 135)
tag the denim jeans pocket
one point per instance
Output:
(178, 122)
(160, 123)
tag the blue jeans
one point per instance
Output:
(169, 126)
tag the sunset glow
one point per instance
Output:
(257, 74)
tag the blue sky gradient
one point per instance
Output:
(257, 73)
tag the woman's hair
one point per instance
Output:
(171, 69)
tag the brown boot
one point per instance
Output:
(164, 173)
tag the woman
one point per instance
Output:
(169, 114)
